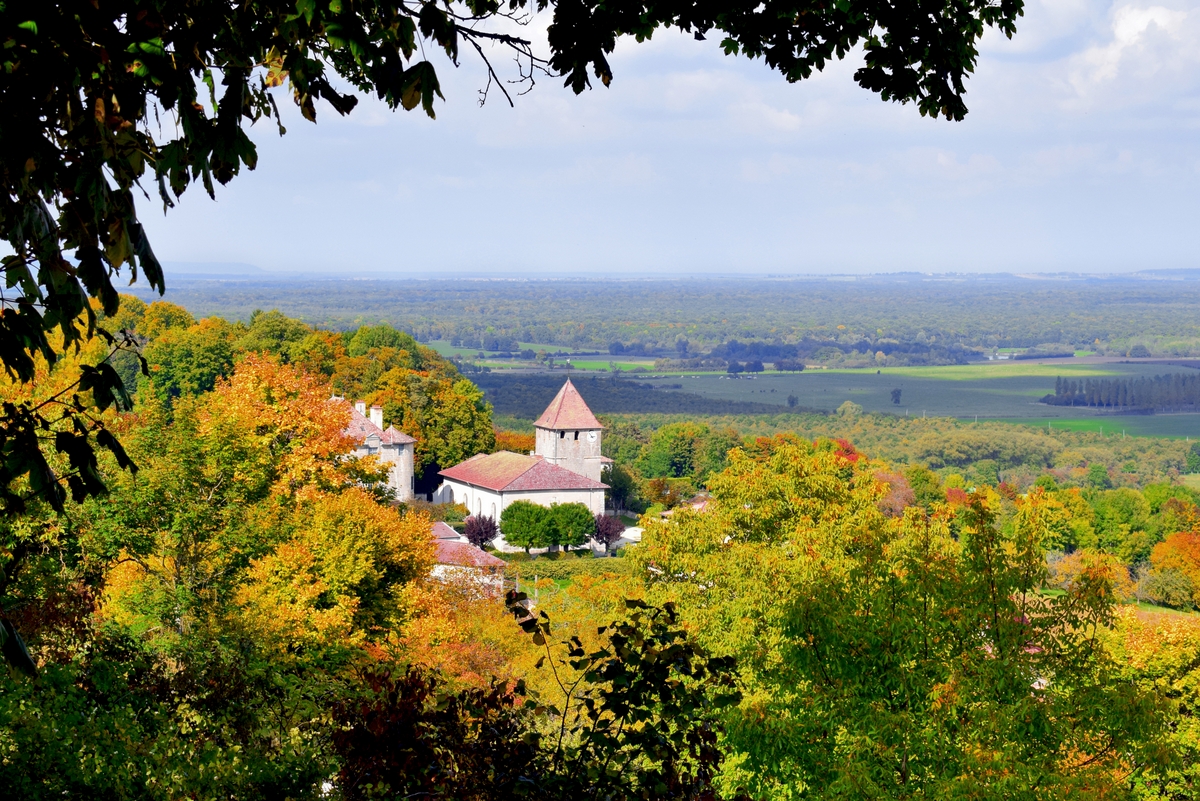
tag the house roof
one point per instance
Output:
(506, 471)
(441, 531)
(464, 554)
(393, 436)
(361, 427)
(568, 410)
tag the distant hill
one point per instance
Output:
(526, 396)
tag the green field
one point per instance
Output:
(599, 365)
(990, 391)
(444, 348)
(1159, 425)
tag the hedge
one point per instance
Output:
(567, 568)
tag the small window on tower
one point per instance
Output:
(562, 434)
(576, 435)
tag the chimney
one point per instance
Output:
(377, 415)
(361, 407)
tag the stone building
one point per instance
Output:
(564, 467)
(393, 448)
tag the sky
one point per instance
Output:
(1081, 152)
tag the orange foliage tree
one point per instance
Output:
(1180, 552)
(515, 441)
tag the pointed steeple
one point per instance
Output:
(568, 411)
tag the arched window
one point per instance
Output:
(576, 436)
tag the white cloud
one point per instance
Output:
(1144, 43)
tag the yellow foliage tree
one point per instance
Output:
(340, 580)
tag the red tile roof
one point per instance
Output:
(511, 472)
(464, 554)
(441, 531)
(568, 410)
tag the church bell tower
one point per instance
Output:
(568, 434)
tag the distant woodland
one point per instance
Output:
(899, 319)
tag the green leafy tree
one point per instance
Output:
(1193, 458)
(622, 488)
(524, 524)
(1097, 476)
(574, 524)
(380, 336)
(926, 486)
(272, 332)
(692, 450)
(1123, 524)
(187, 362)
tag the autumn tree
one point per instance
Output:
(231, 591)
(609, 529)
(1179, 555)
(421, 394)
(515, 441)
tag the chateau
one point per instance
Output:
(564, 467)
(393, 448)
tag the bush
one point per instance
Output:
(560, 569)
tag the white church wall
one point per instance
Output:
(480, 501)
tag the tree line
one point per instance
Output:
(1172, 392)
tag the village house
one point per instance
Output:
(459, 561)
(564, 467)
(393, 448)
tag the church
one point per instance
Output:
(565, 466)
